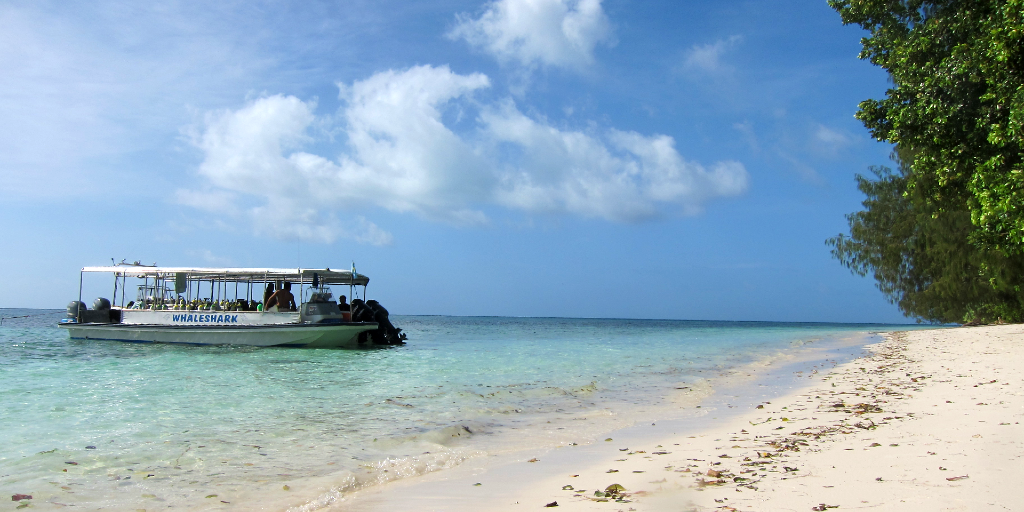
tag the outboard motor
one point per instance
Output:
(386, 333)
(99, 314)
(360, 313)
(76, 310)
(100, 304)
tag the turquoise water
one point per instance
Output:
(194, 427)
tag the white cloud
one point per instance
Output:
(827, 142)
(561, 33)
(85, 82)
(369, 233)
(746, 129)
(400, 155)
(831, 137)
(209, 257)
(707, 58)
(622, 176)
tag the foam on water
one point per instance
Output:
(144, 426)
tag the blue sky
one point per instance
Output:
(592, 158)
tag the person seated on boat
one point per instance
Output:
(282, 299)
(268, 292)
(342, 304)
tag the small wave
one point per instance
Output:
(384, 471)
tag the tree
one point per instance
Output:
(957, 101)
(921, 256)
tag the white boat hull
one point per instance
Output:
(296, 335)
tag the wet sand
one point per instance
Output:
(928, 420)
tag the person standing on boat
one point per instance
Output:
(283, 299)
(267, 293)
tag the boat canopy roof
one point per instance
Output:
(295, 275)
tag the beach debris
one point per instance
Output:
(535, 459)
(866, 408)
(639, 471)
(609, 439)
(788, 469)
(567, 488)
(872, 445)
(955, 478)
(478, 484)
(613, 490)
(703, 483)
(211, 496)
(71, 462)
(573, 476)
(865, 426)
(612, 471)
(714, 473)
(286, 488)
(760, 406)
(822, 506)
(19, 497)
(552, 504)
(90, 447)
(623, 449)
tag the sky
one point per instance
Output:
(576, 158)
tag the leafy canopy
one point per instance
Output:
(921, 259)
(957, 101)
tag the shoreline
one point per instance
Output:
(928, 419)
(713, 399)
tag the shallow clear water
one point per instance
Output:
(202, 427)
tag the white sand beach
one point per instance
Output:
(929, 420)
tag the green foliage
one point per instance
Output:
(957, 69)
(921, 257)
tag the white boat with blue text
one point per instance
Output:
(221, 306)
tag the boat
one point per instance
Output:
(225, 306)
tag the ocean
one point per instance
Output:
(119, 426)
